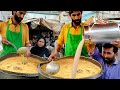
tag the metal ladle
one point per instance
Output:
(13, 45)
(21, 51)
(52, 67)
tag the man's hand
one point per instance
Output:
(28, 53)
(90, 45)
(52, 56)
(116, 43)
(5, 41)
(91, 48)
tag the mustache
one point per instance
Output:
(108, 60)
(20, 19)
(76, 20)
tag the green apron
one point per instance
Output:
(72, 44)
(13, 37)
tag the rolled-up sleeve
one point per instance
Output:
(0, 26)
(27, 35)
(61, 37)
(97, 55)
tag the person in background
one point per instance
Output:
(14, 31)
(111, 66)
(40, 48)
(34, 40)
(70, 36)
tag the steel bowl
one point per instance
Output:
(14, 75)
(44, 75)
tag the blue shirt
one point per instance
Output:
(97, 55)
(109, 72)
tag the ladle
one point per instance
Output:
(21, 51)
(13, 45)
(52, 67)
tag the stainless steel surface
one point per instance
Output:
(103, 32)
(22, 50)
(43, 75)
(52, 67)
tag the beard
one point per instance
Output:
(77, 22)
(109, 60)
(18, 19)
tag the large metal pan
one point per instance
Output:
(13, 75)
(43, 75)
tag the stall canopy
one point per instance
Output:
(4, 15)
(53, 22)
(49, 21)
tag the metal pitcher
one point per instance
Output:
(103, 32)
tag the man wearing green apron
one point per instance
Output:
(14, 31)
(70, 36)
(72, 42)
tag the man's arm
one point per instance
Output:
(60, 40)
(27, 44)
(57, 48)
(54, 55)
(89, 21)
(4, 40)
(96, 55)
(59, 44)
(27, 36)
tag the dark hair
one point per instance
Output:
(12, 12)
(42, 38)
(16, 11)
(108, 45)
(70, 12)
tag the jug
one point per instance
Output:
(103, 33)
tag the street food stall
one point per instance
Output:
(99, 33)
(88, 68)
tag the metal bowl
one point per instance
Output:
(14, 75)
(44, 75)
